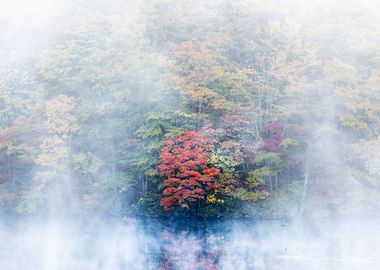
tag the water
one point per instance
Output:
(135, 244)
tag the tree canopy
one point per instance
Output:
(206, 108)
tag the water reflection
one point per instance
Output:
(184, 250)
(148, 245)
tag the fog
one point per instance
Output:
(132, 244)
(91, 93)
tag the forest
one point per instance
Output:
(206, 109)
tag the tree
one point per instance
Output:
(53, 176)
(185, 165)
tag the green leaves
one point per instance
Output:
(258, 177)
(149, 132)
(279, 101)
(251, 196)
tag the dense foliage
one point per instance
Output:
(184, 162)
(213, 109)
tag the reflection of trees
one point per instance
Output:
(184, 250)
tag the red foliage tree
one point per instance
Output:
(184, 163)
(274, 136)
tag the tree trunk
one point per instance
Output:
(9, 168)
(270, 184)
(260, 111)
(276, 183)
(113, 167)
(306, 179)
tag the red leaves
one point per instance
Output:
(168, 202)
(9, 196)
(192, 174)
(274, 138)
(6, 136)
(172, 181)
(184, 161)
(169, 191)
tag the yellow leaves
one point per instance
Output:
(252, 196)
(360, 100)
(339, 72)
(203, 93)
(59, 125)
(353, 122)
(289, 143)
(212, 199)
(60, 119)
(222, 104)
(54, 153)
(87, 163)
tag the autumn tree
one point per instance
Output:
(53, 183)
(185, 165)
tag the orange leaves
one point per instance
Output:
(212, 172)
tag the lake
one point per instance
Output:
(146, 244)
